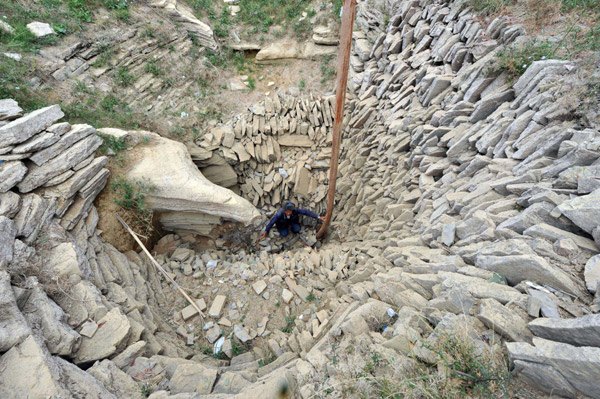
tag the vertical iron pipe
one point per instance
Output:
(348, 15)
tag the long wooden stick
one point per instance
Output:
(158, 266)
(340, 98)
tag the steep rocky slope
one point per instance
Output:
(465, 241)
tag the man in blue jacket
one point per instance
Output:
(288, 218)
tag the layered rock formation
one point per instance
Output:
(466, 216)
(277, 150)
(182, 197)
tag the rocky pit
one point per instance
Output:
(463, 258)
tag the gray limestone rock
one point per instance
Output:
(584, 211)
(36, 143)
(39, 175)
(193, 378)
(40, 29)
(41, 311)
(503, 320)
(24, 128)
(116, 381)
(544, 377)
(580, 366)
(9, 109)
(11, 173)
(77, 133)
(517, 268)
(108, 340)
(580, 331)
(591, 273)
(8, 233)
(13, 326)
(9, 204)
(28, 372)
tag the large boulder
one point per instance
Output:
(185, 199)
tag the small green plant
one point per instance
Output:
(263, 362)
(311, 297)
(488, 7)
(131, 195)
(148, 32)
(146, 390)
(302, 85)
(79, 9)
(289, 324)
(327, 70)
(515, 60)
(123, 77)
(208, 351)
(105, 53)
(337, 7)
(479, 374)
(111, 144)
(583, 5)
(237, 347)
(251, 83)
(153, 68)
(120, 8)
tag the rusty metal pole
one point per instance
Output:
(348, 15)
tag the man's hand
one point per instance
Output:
(322, 218)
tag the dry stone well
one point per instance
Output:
(468, 206)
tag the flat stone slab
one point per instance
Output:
(9, 110)
(40, 29)
(217, 306)
(580, 331)
(190, 311)
(591, 273)
(11, 173)
(295, 140)
(112, 334)
(24, 128)
(580, 366)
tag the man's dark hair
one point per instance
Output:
(289, 206)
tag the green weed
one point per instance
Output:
(153, 68)
(489, 7)
(102, 112)
(131, 195)
(14, 84)
(105, 53)
(515, 60)
(262, 14)
(251, 83)
(289, 324)
(123, 77)
(146, 390)
(311, 297)
(327, 70)
(302, 85)
(111, 144)
(237, 347)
